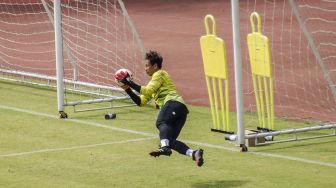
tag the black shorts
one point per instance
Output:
(173, 114)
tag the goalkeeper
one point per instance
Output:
(173, 112)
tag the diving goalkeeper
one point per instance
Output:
(173, 111)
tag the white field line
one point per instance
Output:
(186, 141)
(74, 147)
(77, 121)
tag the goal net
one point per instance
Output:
(302, 39)
(98, 39)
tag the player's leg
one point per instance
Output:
(181, 147)
(165, 137)
(177, 145)
(165, 117)
(177, 125)
(170, 122)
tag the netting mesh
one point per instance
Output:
(98, 39)
(302, 83)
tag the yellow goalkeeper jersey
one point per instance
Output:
(160, 88)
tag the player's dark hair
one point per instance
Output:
(154, 58)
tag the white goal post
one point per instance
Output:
(88, 40)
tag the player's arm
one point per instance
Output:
(145, 91)
(125, 78)
(135, 86)
(132, 84)
(135, 98)
(138, 100)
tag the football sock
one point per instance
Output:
(164, 142)
(189, 152)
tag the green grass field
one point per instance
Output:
(39, 150)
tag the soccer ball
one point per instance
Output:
(119, 72)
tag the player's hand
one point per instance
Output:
(123, 77)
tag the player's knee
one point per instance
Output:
(161, 123)
(164, 128)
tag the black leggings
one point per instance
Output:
(170, 122)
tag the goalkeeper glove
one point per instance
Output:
(123, 77)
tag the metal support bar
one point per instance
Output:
(95, 101)
(289, 131)
(295, 139)
(104, 108)
(50, 78)
(268, 135)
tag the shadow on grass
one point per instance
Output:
(219, 183)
